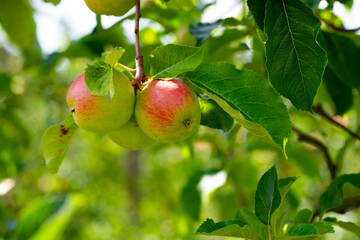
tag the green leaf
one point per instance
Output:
(99, 78)
(35, 213)
(113, 57)
(55, 143)
(184, 5)
(313, 4)
(202, 31)
(231, 228)
(309, 231)
(340, 93)
(344, 57)
(16, 18)
(267, 196)
(303, 216)
(190, 197)
(247, 97)
(301, 230)
(55, 2)
(349, 226)
(213, 116)
(333, 195)
(249, 217)
(55, 225)
(294, 59)
(324, 227)
(191, 201)
(257, 8)
(285, 185)
(171, 60)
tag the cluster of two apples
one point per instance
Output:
(165, 111)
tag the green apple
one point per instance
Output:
(167, 110)
(131, 137)
(97, 113)
(110, 7)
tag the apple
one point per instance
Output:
(110, 7)
(131, 137)
(97, 113)
(167, 110)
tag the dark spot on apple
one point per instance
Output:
(63, 130)
(72, 110)
(187, 123)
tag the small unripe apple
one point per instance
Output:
(167, 110)
(110, 7)
(131, 137)
(97, 113)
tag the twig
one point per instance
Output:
(348, 204)
(334, 27)
(129, 70)
(320, 111)
(302, 137)
(140, 74)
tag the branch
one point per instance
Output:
(140, 74)
(302, 137)
(348, 204)
(320, 111)
(334, 27)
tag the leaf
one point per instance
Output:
(313, 4)
(190, 197)
(340, 93)
(294, 59)
(249, 217)
(257, 8)
(333, 195)
(55, 142)
(231, 228)
(213, 116)
(191, 201)
(349, 226)
(309, 231)
(171, 60)
(267, 196)
(324, 227)
(16, 18)
(285, 184)
(202, 31)
(55, 225)
(301, 230)
(184, 5)
(99, 78)
(344, 57)
(303, 216)
(113, 57)
(35, 213)
(55, 2)
(246, 97)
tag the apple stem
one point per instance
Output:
(140, 74)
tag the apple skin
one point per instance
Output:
(97, 113)
(167, 110)
(110, 7)
(130, 136)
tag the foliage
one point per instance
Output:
(278, 87)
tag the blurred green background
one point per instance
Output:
(164, 192)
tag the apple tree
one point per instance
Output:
(245, 126)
